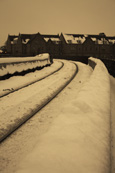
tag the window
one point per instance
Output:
(69, 41)
(79, 41)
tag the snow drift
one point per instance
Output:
(12, 65)
(79, 138)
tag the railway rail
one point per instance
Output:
(7, 92)
(23, 110)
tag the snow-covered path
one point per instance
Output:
(71, 134)
(17, 82)
(17, 107)
(14, 149)
(79, 138)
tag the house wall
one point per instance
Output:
(113, 51)
(54, 49)
(8, 46)
(19, 47)
(38, 45)
(28, 51)
(60, 50)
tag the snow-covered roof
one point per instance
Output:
(46, 39)
(12, 37)
(94, 39)
(102, 41)
(25, 41)
(55, 40)
(69, 39)
(80, 40)
(112, 41)
(14, 41)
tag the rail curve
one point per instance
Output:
(30, 83)
(6, 132)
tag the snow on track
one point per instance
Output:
(79, 138)
(21, 105)
(14, 149)
(17, 82)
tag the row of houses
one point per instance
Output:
(61, 45)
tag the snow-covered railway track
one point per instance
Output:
(20, 106)
(12, 89)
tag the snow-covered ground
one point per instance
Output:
(78, 140)
(17, 82)
(30, 99)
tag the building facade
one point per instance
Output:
(62, 46)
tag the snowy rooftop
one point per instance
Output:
(80, 40)
(55, 40)
(72, 39)
(25, 41)
(69, 39)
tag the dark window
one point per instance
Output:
(69, 41)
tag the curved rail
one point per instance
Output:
(11, 91)
(47, 100)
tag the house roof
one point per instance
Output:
(50, 36)
(11, 37)
(74, 38)
(69, 38)
(26, 37)
(54, 38)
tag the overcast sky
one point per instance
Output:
(56, 16)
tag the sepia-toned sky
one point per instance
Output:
(56, 16)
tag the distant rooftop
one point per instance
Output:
(69, 38)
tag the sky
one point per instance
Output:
(56, 16)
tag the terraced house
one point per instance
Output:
(69, 46)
